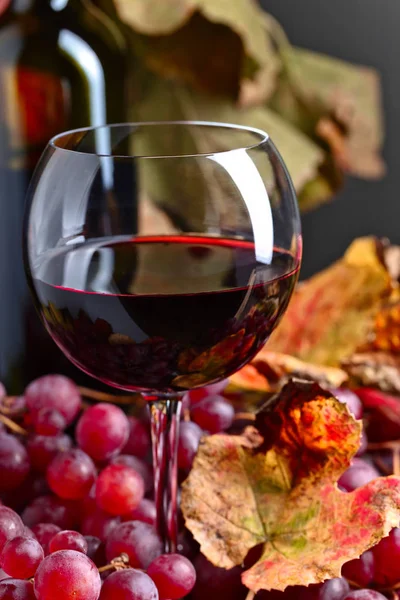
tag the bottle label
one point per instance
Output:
(36, 109)
(3, 5)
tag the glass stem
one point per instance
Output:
(164, 415)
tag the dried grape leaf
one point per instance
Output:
(376, 369)
(391, 258)
(269, 371)
(337, 102)
(166, 100)
(209, 44)
(332, 313)
(276, 486)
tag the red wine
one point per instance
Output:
(162, 313)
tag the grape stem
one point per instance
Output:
(245, 416)
(164, 418)
(105, 397)
(12, 425)
(120, 562)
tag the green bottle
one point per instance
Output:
(63, 65)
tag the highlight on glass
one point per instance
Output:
(174, 286)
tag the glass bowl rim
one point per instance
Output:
(262, 135)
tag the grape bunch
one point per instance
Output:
(77, 519)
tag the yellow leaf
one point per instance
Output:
(332, 313)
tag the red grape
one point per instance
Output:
(67, 574)
(358, 474)
(348, 397)
(138, 465)
(68, 540)
(54, 391)
(364, 594)
(100, 524)
(14, 462)
(3, 575)
(333, 589)
(16, 589)
(360, 570)
(102, 431)
(187, 545)
(50, 509)
(10, 525)
(96, 550)
(49, 421)
(128, 584)
(189, 439)
(44, 533)
(138, 540)
(173, 574)
(138, 442)
(145, 511)
(119, 489)
(363, 444)
(210, 390)
(387, 559)
(71, 474)
(21, 556)
(382, 421)
(43, 448)
(214, 414)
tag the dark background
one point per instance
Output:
(364, 32)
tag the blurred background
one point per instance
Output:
(364, 32)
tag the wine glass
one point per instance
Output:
(161, 256)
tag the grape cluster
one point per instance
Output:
(76, 515)
(77, 519)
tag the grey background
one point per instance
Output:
(364, 32)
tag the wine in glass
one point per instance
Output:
(174, 287)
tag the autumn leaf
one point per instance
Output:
(376, 362)
(331, 315)
(276, 486)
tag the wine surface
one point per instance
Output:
(162, 313)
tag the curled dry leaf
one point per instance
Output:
(269, 371)
(209, 44)
(340, 104)
(375, 369)
(166, 100)
(332, 314)
(276, 486)
(377, 361)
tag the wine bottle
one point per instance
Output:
(63, 65)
